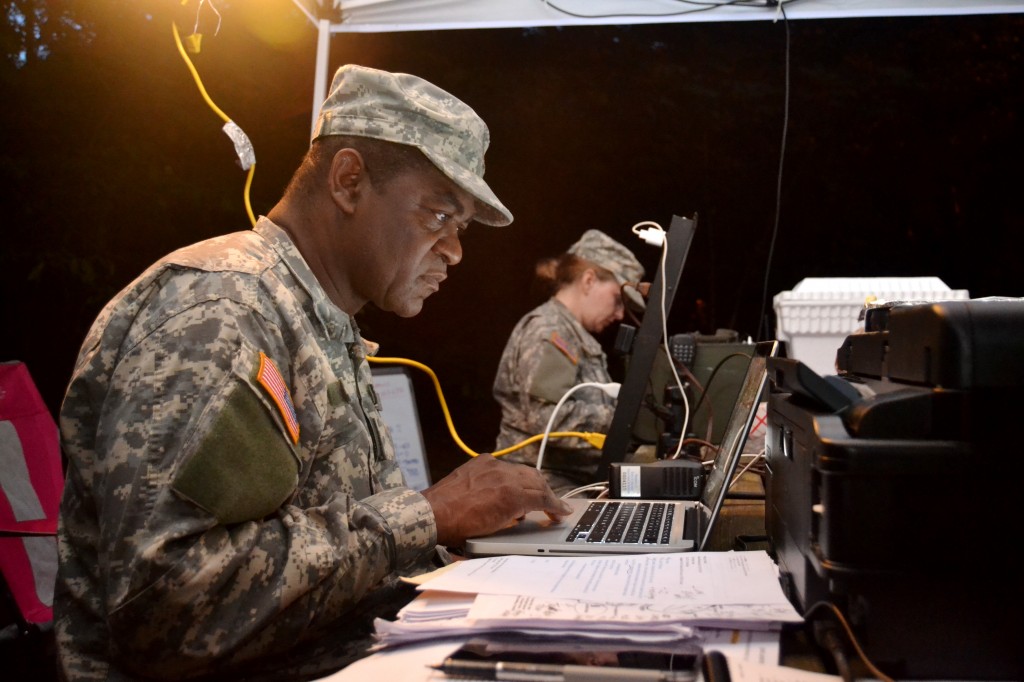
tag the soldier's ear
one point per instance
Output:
(588, 279)
(346, 178)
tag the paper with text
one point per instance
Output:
(510, 609)
(665, 580)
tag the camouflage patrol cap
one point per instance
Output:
(600, 249)
(398, 107)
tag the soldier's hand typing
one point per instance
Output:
(485, 495)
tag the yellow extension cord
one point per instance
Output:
(217, 110)
(595, 439)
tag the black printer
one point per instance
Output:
(893, 488)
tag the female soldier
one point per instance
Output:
(552, 348)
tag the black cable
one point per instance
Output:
(826, 633)
(711, 377)
(845, 628)
(761, 326)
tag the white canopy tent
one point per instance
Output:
(378, 16)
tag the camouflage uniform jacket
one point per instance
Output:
(232, 493)
(548, 353)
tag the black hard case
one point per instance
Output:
(901, 509)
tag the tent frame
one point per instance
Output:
(381, 16)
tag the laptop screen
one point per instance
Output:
(735, 435)
(619, 440)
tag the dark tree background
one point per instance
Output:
(902, 158)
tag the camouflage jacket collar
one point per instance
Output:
(336, 322)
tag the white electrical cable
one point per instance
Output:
(612, 389)
(601, 486)
(744, 470)
(653, 233)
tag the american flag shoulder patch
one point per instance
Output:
(563, 346)
(273, 383)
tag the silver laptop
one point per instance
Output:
(639, 526)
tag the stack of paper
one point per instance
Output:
(659, 601)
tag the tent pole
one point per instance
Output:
(323, 50)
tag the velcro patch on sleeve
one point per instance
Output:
(563, 345)
(269, 377)
(244, 468)
(554, 375)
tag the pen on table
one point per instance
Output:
(549, 672)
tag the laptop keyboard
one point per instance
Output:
(619, 521)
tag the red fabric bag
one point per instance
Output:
(31, 483)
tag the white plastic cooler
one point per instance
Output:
(820, 312)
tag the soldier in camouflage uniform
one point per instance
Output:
(233, 508)
(552, 349)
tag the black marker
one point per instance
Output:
(715, 667)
